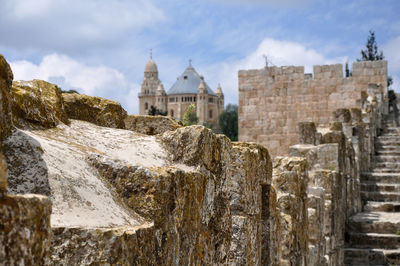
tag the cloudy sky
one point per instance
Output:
(100, 47)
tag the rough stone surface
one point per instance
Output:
(3, 174)
(290, 181)
(307, 133)
(37, 102)
(151, 125)
(103, 246)
(25, 229)
(199, 195)
(102, 112)
(273, 100)
(6, 77)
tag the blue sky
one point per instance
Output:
(100, 47)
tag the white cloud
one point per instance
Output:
(273, 3)
(392, 55)
(68, 73)
(391, 52)
(72, 24)
(280, 53)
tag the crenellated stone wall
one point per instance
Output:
(273, 100)
(334, 156)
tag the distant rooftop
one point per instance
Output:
(188, 83)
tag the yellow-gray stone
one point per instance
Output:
(102, 112)
(151, 125)
(37, 102)
(6, 77)
(25, 229)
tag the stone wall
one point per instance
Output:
(274, 100)
(334, 155)
(24, 219)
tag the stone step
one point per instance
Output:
(380, 196)
(386, 170)
(370, 186)
(374, 240)
(388, 148)
(392, 130)
(388, 140)
(364, 257)
(387, 165)
(387, 152)
(388, 135)
(378, 206)
(375, 222)
(379, 177)
(387, 158)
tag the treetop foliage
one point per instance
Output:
(371, 52)
(190, 117)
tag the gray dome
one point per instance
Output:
(188, 83)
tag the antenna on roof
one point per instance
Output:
(151, 53)
(266, 60)
(190, 62)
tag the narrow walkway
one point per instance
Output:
(374, 234)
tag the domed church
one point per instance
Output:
(189, 88)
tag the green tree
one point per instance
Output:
(371, 52)
(154, 111)
(228, 122)
(190, 117)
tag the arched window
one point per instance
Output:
(210, 114)
(146, 106)
(172, 113)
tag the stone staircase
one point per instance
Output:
(373, 236)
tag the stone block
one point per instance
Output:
(151, 125)
(102, 112)
(6, 78)
(307, 131)
(37, 102)
(290, 182)
(25, 231)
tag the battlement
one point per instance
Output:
(273, 100)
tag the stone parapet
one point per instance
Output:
(272, 101)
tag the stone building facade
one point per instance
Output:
(189, 88)
(273, 100)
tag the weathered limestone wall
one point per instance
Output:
(334, 157)
(24, 219)
(274, 100)
(6, 78)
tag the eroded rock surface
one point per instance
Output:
(96, 110)
(6, 78)
(37, 102)
(3, 174)
(151, 125)
(25, 229)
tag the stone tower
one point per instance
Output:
(202, 100)
(220, 101)
(161, 98)
(147, 96)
